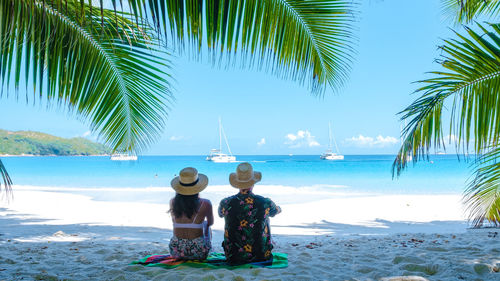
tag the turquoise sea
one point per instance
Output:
(443, 174)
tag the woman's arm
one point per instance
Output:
(209, 213)
(171, 207)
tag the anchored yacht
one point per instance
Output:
(123, 157)
(216, 155)
(329, 154)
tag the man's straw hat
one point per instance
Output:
(189, 182)
(245, 177)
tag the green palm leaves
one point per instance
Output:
(7, 182)
(309, 41)
(471, 77)
(105, 71)
(482, 196)
(467, 10)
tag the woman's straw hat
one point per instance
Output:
(189, 182)
(244, 177)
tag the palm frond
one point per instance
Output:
(464, 11)
(310, 41)
(471, 76)
(482, 196)
(5, 180)
(98, 62)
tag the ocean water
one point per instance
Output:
(443, 174)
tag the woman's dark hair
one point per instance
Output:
(185, 205)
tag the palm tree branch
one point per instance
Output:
(92, 69)
(464, 11)
(473, 77)
(7, 182)
(296, 39)
(482, 195)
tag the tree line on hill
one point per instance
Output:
(35, 143)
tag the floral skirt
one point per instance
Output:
(192, 249)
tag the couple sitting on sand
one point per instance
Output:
(247, 235)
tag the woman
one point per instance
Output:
(192, 235)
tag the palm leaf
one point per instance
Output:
(5, 180)
(482, 195)
(309, 41)
(464, 11)
(471, 76)
(96, 61)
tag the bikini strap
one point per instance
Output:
(199, 209)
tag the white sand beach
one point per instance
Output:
(55, 234)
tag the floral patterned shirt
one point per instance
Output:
(247, 235)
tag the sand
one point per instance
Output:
(55, 234)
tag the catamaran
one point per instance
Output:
(123, 157)
(329, 154)
(216, 155)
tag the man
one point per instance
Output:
(247, 235)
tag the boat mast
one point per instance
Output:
(220, 136)
(225, 139)
(331, 136)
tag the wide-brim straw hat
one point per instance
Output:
(245, 177)
(189, 182)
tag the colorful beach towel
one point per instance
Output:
(214, 260)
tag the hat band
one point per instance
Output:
(190, 184)
(247, 180)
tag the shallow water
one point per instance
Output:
(443, 174)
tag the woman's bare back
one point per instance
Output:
(205, 211)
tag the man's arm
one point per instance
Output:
(222, 208)
(273, 208)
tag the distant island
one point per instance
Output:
(28, 143)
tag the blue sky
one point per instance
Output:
(262, 114)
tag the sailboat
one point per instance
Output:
(123, 157)
(216, 155)
(329, 154)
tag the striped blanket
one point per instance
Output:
(214, 260)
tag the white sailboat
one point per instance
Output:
(216, 155)
(329, 154)
(123, 157)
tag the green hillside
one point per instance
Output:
(35, 143)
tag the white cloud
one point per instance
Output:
(291, 137)
(176, 138)
(301, 139)
(379, 141)
(261, 142)
(88, 135)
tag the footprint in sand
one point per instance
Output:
(83, 259)
(134, 268)
(427, 269)
(102, 251)
(482, 268)
(404, 278)
(406, 259)
(152, 272)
